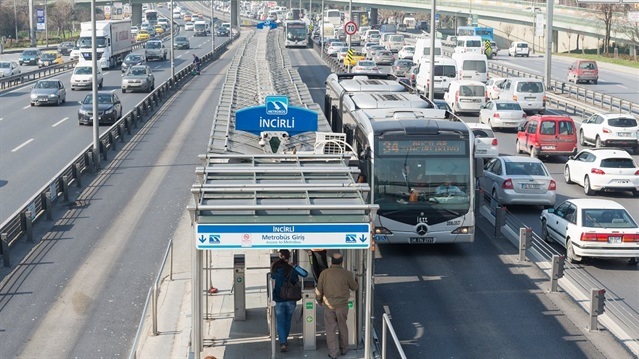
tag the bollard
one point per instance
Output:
(6, 258)
(500, 219)
(597, 303)
(309, 326)
(525, 236)
(557, 271)
(239, 287)
(77, 175)
(28, 225)
(48, 205)
(64, 186)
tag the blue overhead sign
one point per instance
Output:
(276, 115)
(273, 236)
(267, 24)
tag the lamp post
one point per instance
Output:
(433, 33)
(322, 29)
(212, 27)
(46, 24)
(15, 14)
(172, 43)
(32, 39)
(94, 91)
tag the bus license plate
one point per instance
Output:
(419, 240)
(616, 239)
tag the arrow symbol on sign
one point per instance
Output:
(362, 238)
(202, 239)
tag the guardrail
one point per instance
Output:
(40, 205)
(606, 102)
(619, 315)
(387, 326)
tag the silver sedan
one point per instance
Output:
(518, 180)
(500, 114)
(138, 78)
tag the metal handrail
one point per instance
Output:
(156, 284)
(387, 326)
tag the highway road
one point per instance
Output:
(82, 292)
(47, 138)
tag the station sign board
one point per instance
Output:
(285, 235)
(276, 115)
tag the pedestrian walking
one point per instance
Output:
(283, 270)
(333, 290)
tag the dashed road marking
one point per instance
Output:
(22, 145)
(59, 122)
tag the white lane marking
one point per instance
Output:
(22, 145)
(622, 86)
(26, 107)
(1, 118)
(59, 122)
(178, 57)
(157, 67)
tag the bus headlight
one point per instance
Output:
(381, 230)
(463, 230)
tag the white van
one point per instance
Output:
(445, 71)
(466, 96)
(394, 42)
(467, 44)
(529, 92)
(519, 48)
(422, 49)
(471, 66)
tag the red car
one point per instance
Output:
(547, 135)
(583, 70)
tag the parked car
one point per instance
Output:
(501, 114)
(547, 135)
(518, 180)
(181, 42)
(132, 60)
(50, 58)
(407, 52)
(384, 57)
(109, 108)
(365, 66)
(597, 228)
(610, 129)
(486, 144)
(138, 78)
(402, 67)
(519, 48)
(602, 169)
(29, 57)
(48, 92)
(65, 47)
(583, 71)
(492, 87)
(9, 68)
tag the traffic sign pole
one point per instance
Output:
(350, 28)
(350, 19)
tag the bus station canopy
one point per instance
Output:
(280, 201)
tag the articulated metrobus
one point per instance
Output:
(419, 165)
(486, 33)
(296, 33)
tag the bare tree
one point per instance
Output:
(508, 29)
(606, 13)
(631, 30)
(569, 33)
(61, 15)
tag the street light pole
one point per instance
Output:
(350, 18)
(322, 30)
(172, 42)
(212, 27)
(548, 69)
(46, 24)
(94, 91)
(433, 34)
(32, 39)
(15, 14)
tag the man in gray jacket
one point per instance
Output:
(333, 289)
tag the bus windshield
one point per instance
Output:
(435, 171)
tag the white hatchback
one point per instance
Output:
(592, 228)
(486, 144)
(602, 169)
(406, 52)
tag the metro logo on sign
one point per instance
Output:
(276, 105)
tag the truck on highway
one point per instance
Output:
(113, 41)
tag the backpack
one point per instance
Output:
(290, 291)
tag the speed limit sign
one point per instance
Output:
(350, 28)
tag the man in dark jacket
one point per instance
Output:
(333, 289)
(281, 271)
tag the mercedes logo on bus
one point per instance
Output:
(421, 229)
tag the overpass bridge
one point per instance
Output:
(510, 18)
